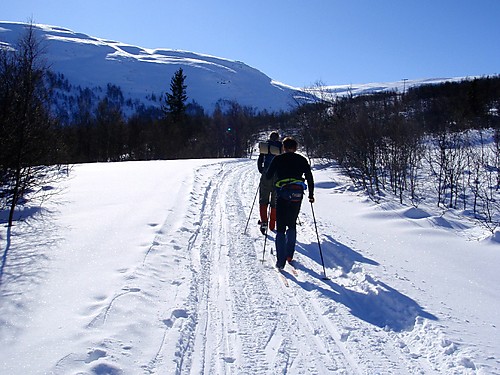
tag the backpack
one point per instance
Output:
(290, 189)
(269, 149)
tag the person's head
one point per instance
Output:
(290, 144)
(274, 136)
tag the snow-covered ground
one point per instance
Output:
(145, 267)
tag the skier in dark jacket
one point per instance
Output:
(267, 193)
(289, 170)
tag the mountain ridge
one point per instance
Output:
(88, 61)
(143, 74)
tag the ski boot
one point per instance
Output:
(263, 227)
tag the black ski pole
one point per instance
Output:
(250, 215)
(319, 244)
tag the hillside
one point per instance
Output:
(144, 74)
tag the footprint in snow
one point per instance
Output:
(106, 369)
(94, 355)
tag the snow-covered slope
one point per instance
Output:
(330, 92)
(105, 281)
(89, 62)
(144, 74)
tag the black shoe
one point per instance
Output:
(263, 227)
(280, 268)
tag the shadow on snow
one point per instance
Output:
(370, 300)
(20, 214)
(23, 265)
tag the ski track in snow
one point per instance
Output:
(237, 316)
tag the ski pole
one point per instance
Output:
(319, 245)
(250, 215)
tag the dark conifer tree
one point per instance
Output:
(175, 101)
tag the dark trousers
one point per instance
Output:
(286, 229)
(267, 191)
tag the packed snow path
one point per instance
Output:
(241, 318)
(199, 300)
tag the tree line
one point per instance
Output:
(179, 129)
(445, 136)
(42, 129)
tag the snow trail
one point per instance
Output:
(195, 297)
(246, 321)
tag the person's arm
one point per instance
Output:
(310, 182)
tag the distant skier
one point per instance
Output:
(267, 193)
(288, 170)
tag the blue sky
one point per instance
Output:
(297, 42)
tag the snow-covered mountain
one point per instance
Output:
(400, 86)
(144, 74)
(330, 92)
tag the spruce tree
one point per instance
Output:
(175, 101)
